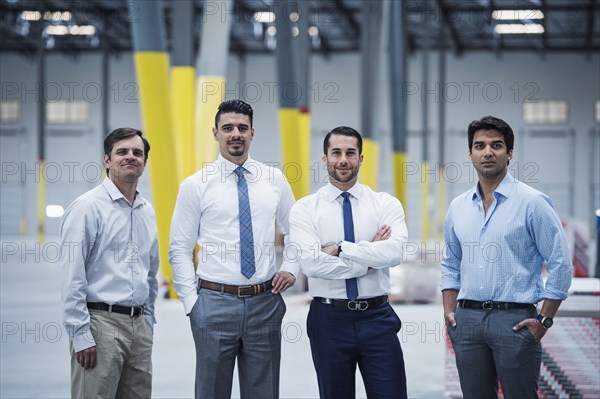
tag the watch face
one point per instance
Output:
(548, 322)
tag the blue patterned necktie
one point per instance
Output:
(351, 283)
(246, 238)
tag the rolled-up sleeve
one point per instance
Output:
(452, 257)
(551, 242)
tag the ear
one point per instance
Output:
(360, 159)
(106, 161)
(510, 155)
(324, 159)
(469, 155)
(214, 131)
(251, 134)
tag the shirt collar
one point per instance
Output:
(229, 167)
(332, 192)
(115, 194)
(505, 188)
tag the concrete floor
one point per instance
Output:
(34, 358)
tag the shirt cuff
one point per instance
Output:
(289, 267)
(189, 302)
(83, 339)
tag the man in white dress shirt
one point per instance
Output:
(349, 236)
(229, 208)
(110, 262)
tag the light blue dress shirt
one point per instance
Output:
(109, 254)
(499, 256)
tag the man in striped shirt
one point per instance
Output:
(498, 236)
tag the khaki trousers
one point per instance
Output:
(123, 358)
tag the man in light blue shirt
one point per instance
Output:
(498, 237)
(109, 277)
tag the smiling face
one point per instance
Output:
(126, 162)
(343, 161)
(234, 134)
(489, 154)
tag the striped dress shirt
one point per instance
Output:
(499, 256)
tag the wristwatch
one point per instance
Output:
(547, 322)
(339, 248)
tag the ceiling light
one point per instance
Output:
(518, 29)
(294, 16)
(517, 15)
(295, 31)
(31, 15)
(54, 211)
(271, 31)
(57, 30)
(79, 30)
(313, 31)
(264, 17)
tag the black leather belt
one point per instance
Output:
(240, 290)
(490, 305)
(133, 311)
(359, 304)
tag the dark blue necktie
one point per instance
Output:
(351, 283)
(246, 238)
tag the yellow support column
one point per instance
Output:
(152, 71)
(210, 91)
(370, 166)
(183, 96)
(304, 161)
(291, 146)
(400, 180)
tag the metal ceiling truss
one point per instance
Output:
(458, 25)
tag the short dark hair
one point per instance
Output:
(492, 123)
(120, 134)
(235, 106)
(343, 131)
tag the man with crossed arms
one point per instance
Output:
(349, 236)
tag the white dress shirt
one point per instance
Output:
(317, 220)
(206, 213)
(109, 254)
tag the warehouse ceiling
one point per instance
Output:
(461, 26)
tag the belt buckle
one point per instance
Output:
(488, 305)
(133, 309)
(358, 305)
(240, 288)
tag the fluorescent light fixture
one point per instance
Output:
(271, 31)
(264, 17)
(48, 16)
(517, 15)
(295, 31)
(313, 31)
(294, 16)
(80, 30)
(57, 30)
(518, 29)
(54, 211)
(31, 15)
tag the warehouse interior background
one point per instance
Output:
(409, 75)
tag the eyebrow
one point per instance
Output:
(233, 124)
(493, 142)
